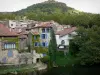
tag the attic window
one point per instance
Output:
(43, 30)
(11, 24)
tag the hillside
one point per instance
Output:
(47, 6)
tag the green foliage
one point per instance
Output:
(88, 45)
(86, 20)
(13, 39)
(7, 16)
(52, 47)
(68, 60)
(41, 49)
(73, 48)
(56, 11)
(45, 59)
(47, 7)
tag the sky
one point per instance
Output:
(92, 6)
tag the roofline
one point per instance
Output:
(41, 27)
(9, 35)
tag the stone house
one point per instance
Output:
(8, 45)
(41, 34)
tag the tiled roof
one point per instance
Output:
(23, 33)
(4, 31)
(35, 33)
(23, 36)
(44, 25)
(66, 31)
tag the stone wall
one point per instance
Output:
(13, 57)
(9, 56)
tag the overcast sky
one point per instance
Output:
(82, 5)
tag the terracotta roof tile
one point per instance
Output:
(66, 31)
(23, 36)
(44, 25)
(35, 33)
(4, 31)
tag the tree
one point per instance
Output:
(52, 47)
(87, 43)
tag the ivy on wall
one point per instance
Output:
(11, 39)
(39, 49)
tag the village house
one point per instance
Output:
(63, 37)
(43, 30)
(8, 45)
(20, 25)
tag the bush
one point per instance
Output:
(45, 59)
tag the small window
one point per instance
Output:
(48, 30)
(63, 42)
(9, 46)
(10, 53)
(35, 37)
(43, 30)
(11, 24)
(36, 44)
(44, 36)
(4, 60)
(43, 44)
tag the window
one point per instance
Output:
(10, 53)
(11, 24)
(9, 46)
(35, 37)
(36, 44)
(43, 30)
(44, 54)
(48, 30)
(44, 44)
(4, 60)
(62, 42)
(44, 36)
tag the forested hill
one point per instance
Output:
(47, 6)
(57, 11)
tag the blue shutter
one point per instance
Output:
(41, 36)
(10, 53)
(42, 44)
(34, 37)
(46, 36)
(46, 43)
(4, 60)
(44, 54)
(35, 43)
(5, 46)
(38, 43)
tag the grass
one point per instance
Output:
(67, 60)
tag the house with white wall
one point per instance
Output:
(63, 37)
